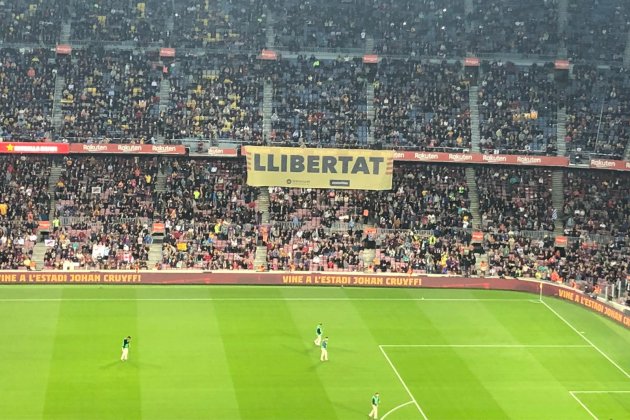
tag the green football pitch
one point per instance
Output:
(248, 353)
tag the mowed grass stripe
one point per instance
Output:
(274, 372)
(28, 338)
(87, 378)
(612, 405)
(356, 368)
(609, 337)
(184, 371)
(485, 383)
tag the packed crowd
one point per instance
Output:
(421, 105)
(515, 26)
(319, 103)
(106, 203)
(598, 104)
(105, 207)
(110, 96)
(24, 201)
(422, 197)
(210, 215)
(518, 109)
(450, 252)
(215, 97)
(130, 96)
(588, 29)
(120, 21)
(228, 24)
(27, 81)
(596, 203)
(515, 199)
(31, 21)
(599, 35)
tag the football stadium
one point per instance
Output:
(250, 209)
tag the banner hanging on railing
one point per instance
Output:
(319, 168)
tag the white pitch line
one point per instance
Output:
(396, 408)
(600, 392)
(424, 416)
(314, 299)
(492, 346)
(587, 340)
(583, 405)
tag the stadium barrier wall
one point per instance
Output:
(315, 279)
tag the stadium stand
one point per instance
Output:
(423, 106)
(115, 86)
(216, 98)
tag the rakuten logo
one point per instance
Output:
(94, 147)
(426, 156)
(128, 148)
(528, 160)
(494, 158)
(601, 163)
(164, 149)
(454, 157)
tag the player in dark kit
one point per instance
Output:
(125, 348)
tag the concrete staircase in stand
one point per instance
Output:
(263, 201)
(473, 102)
(39, 252)
(55, 174)
(160, 182)
(260, 260)
(469, 8)
(155, 251)
(561, 132)
(369, 44)
(57, 114)
(627, 154)
(557, 199)
(270, 33)
(371, 112)
(563, 17)
(66, 31)
(626, 53)
(165, 94)
(165, 101)
(267, 109)
(263, 204)
(473, 196)
(368, 256)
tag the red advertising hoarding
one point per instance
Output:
(137, 149)
(617, 165)
(480, 158)
(167, 52)
(561, 241)
(471, 62)
(34, 148)
(222, 152)
(370, 59)
(63, 49)
(561, 64)
(268, 55)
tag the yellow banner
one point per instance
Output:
(319, 168)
